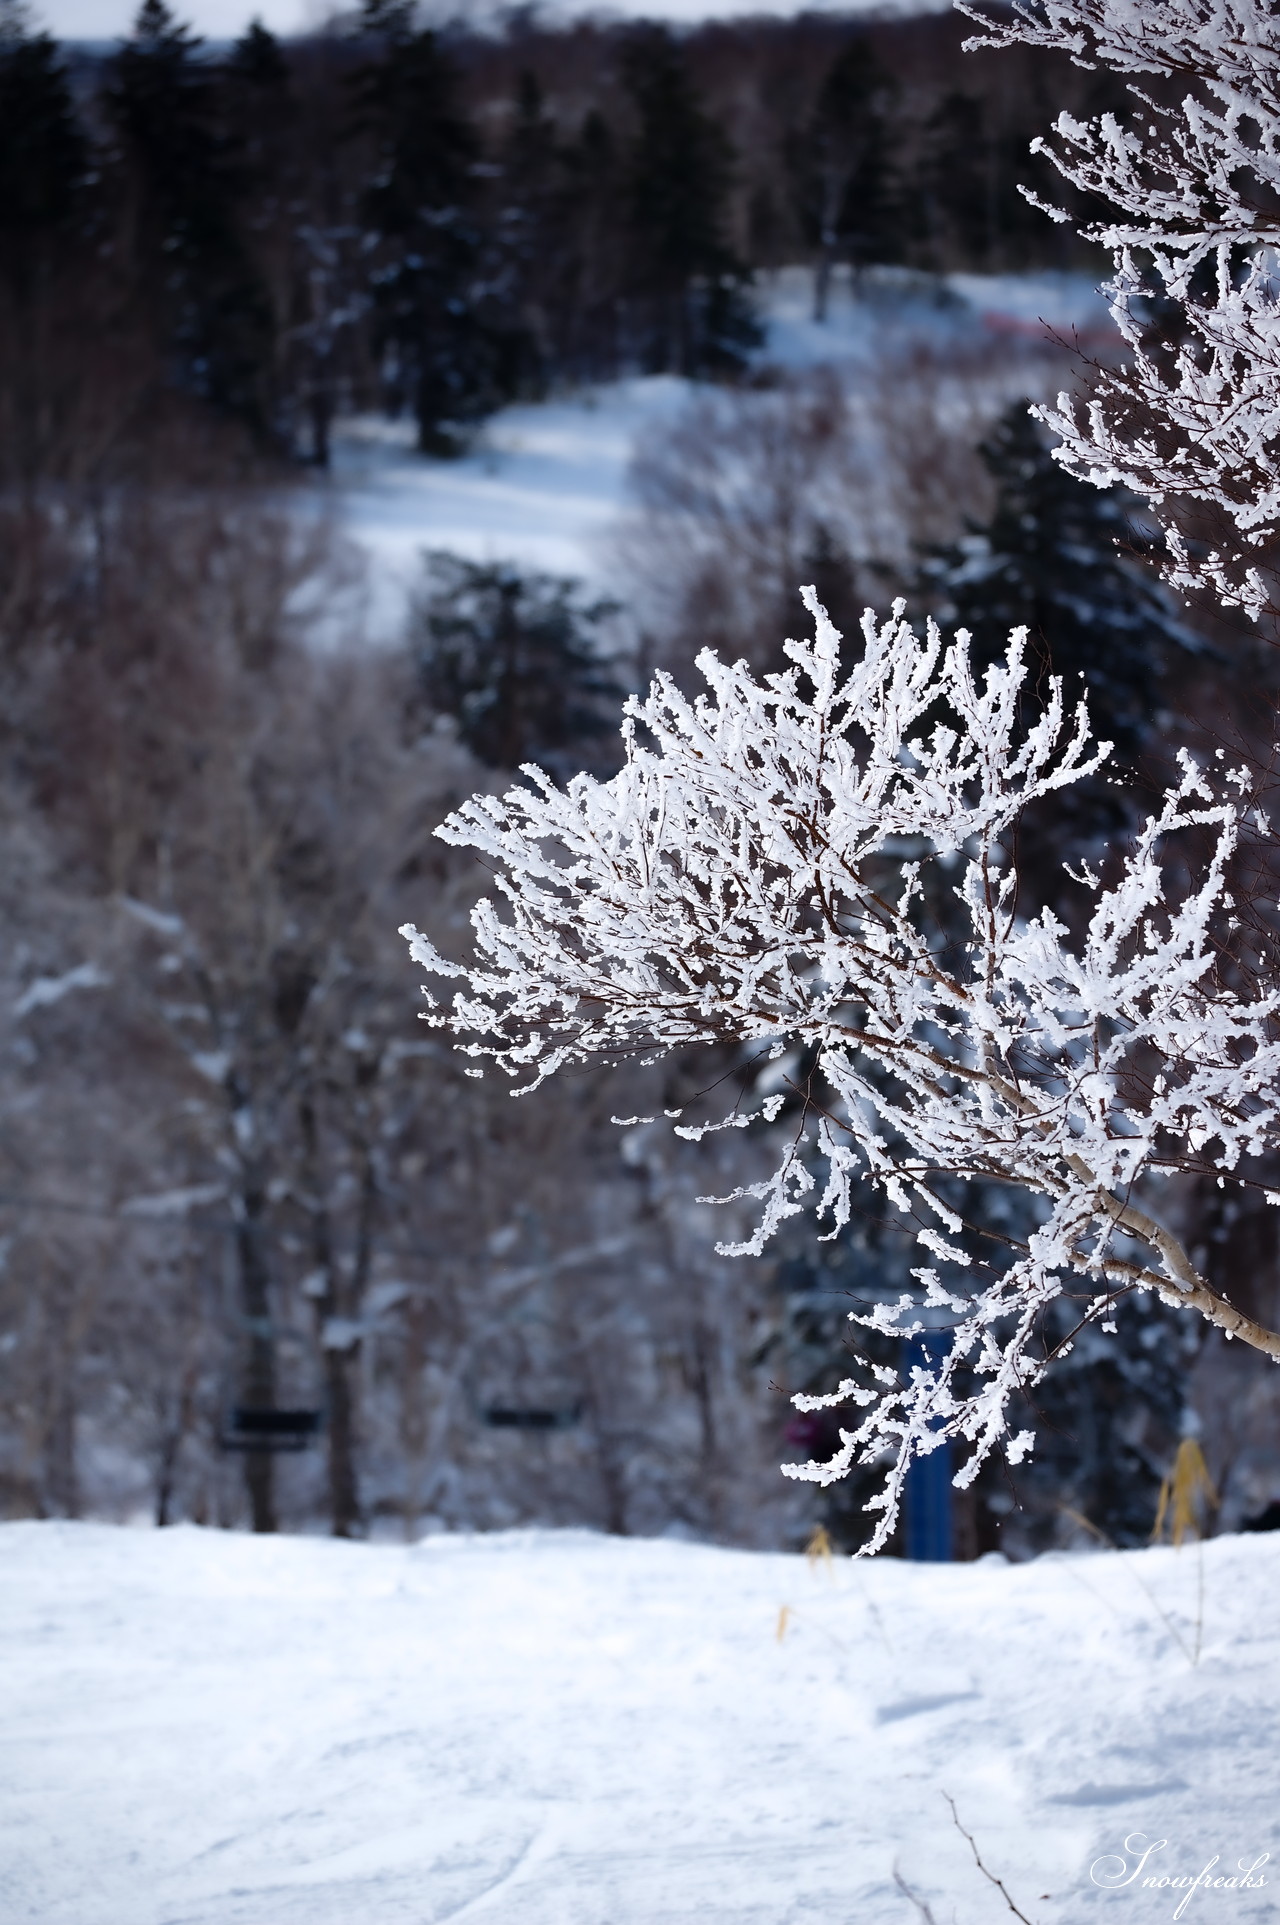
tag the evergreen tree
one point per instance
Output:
(304, 234)
(44, 156)
(686, 282)
(842, 171)
(444, 356)
(260, 112)
(559, 232)
(190, 256)
(1052, 558)
(514, 658)
(957, 184)
(972, 160)
(534, 229)
(258, 65)
(594, 206)
(48, 268)
(1107, 1419)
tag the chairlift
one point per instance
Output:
(514, 1417)
(257, 1429)
(520, 1392)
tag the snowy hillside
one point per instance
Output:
(545, 483)
(558, 1729)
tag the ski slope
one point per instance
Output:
(542, 486)
(552, 1728)
(545, 483)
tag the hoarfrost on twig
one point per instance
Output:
(1193, 191)
(743, 878)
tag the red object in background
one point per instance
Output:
(806, 1430)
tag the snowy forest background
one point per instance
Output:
(236, 1174)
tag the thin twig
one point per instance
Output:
(874, 1610)
(1172, 1628)
(914, 1897)
(1078, 1517)
(977, 1859)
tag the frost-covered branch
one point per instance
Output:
(1195, 194)
(760, 871)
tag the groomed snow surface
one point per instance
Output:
(552, 1728)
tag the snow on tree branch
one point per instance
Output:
(760, 871)
(1195, 190)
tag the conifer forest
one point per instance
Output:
(273, 1255)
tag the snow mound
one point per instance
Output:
(552, 1728)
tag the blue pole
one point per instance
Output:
(928, 1494)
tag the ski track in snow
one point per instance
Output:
(554, 1728)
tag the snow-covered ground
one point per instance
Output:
(545, 484)
(560, 1729)
(542, 485)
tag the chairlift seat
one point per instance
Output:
(271, 1430)
(513, 1417)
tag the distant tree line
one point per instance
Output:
(433, 221)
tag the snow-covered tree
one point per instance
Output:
(759, 871)
(514, 657)
(1189, 421)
